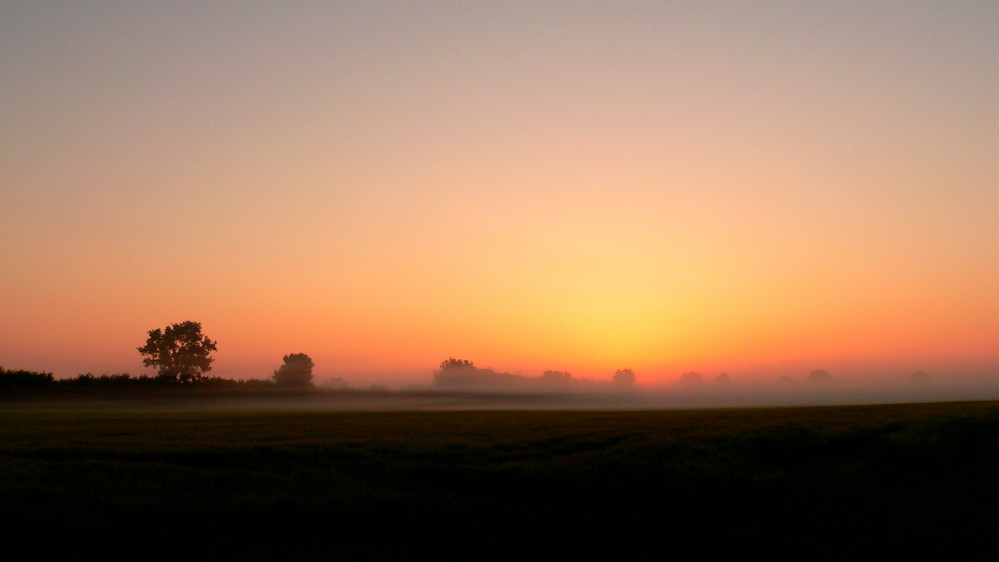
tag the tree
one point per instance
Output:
(624, 377)
(452, 363)
(557, 377)
(552, 380)
(296, 371)
(457, 372)
(180, 351)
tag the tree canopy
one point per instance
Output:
(296, 371)
(452, 363)
(624, 377)
(180, 352)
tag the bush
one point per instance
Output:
(23, 379)
(296, 371)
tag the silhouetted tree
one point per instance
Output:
(180, 352)
(556, 376)
(552, 380)
(452, 363)
(624, 377)
(722, 378)
(457, 373)
(296, 371)
(23, 379)
(920, 377)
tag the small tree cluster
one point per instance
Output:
(295, 372)
(451, 363)
(556, 377)
(458, 373)
(624, 377)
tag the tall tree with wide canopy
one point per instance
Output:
(180, 352)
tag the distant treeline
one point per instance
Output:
(26, 381)
(462, 374)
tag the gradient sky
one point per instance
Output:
(758, 187)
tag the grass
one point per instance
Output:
(816, 483)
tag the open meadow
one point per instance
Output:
(864, 482)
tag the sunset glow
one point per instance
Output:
(759, 188)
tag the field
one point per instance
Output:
(863, 482)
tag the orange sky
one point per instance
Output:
(762, 188)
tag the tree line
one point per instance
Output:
(181, 354)
(462, 374)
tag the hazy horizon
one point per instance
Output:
(761, 189)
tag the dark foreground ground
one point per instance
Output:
(863, 482)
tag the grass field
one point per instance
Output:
(864, 482)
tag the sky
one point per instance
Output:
(762, 188)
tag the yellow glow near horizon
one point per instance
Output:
(581, 187)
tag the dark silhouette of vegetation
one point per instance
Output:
(296, 371)
(556, 377)
(121, 380)
(180, 352)
(23, 379)
(26, 384)
(624, 377)
(451, 363)
(456, 373)
(463, 375)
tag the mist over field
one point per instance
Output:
(682, 395)
(185, 380)
(868, 390)
(694, 390)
